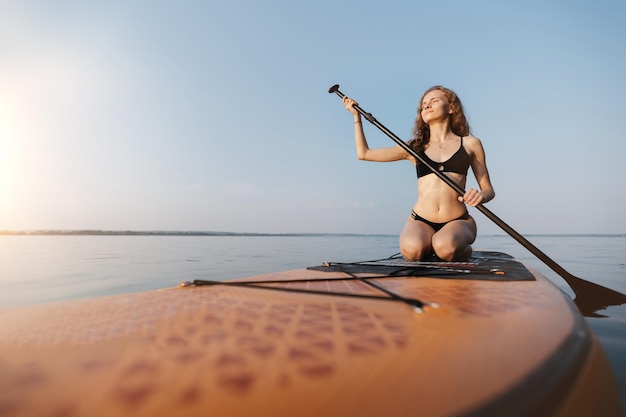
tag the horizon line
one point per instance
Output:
(98, 232)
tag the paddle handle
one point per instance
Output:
(508, 229)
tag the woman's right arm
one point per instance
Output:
(363, 152)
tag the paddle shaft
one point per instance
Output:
(569, 278)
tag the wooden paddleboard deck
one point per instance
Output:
(492, 338)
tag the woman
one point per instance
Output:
(439, 223)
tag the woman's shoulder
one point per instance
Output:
(473, 146)
(470, 140)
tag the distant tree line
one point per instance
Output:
(115, 233)
(151, 233)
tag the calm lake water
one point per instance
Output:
(43, 269)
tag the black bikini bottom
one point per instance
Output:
(437, 226)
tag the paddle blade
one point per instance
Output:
(591, 298)
(334, 88)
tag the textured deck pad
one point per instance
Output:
(483, 265)
(241, 349)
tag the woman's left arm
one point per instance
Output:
(479, 167)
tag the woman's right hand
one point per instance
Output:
(349, 103)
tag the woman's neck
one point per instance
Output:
(440, 132)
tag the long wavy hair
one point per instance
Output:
(458, 121)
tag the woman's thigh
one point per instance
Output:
(415, 239)
(456, 236)
(463, 231)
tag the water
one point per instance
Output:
(43, 269)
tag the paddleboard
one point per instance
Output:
(381, 338)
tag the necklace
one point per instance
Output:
(443, 142)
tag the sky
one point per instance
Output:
(215, 115)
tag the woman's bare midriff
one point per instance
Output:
(438, 202)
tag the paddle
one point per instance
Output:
(589, 298)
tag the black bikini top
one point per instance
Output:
(459, 163)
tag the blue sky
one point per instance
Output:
(214, 115)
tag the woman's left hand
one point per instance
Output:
(472, 197)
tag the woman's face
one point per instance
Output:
(434, 106)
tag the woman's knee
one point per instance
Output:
(415, 240)
(451, 249)
(414, 250)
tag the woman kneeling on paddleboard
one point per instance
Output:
(439, 222)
